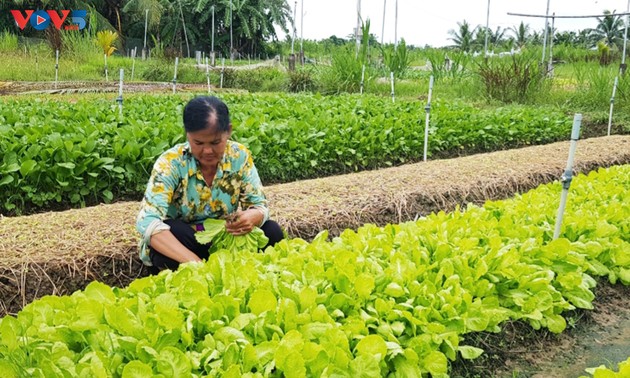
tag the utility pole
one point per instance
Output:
(357, 31)
(146, 24)
(485, 48)
(302, 33)
(396, 28)
(383, 28)
(545, 34)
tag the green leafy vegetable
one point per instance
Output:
(379, 301)
(215, 233)
(83, 153)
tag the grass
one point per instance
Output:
(579, 84)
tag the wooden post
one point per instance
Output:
(292, 62)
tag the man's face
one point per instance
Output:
(208, 145)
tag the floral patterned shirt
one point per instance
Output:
(177, 190)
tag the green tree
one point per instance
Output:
(336, 40)
(252, 22)
(609, 30)
(495, 38)
(565, 38)
(521, 34)
(463, 37)
(98, 12)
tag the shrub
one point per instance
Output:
(397, 59)
(604, 53)
(105, 39)
(512, 79)
(263, 79)
(8, 42)
(156, 70)
(301, 80)
(229, 77)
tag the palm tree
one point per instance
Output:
(496, 38)
(582, 37)
(565, 38)
(463, 38)
(537, 37)
(136, 10)
(521, 34)
(609, 30)
(253, 21)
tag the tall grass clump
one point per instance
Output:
(594, 85)
(301, 80)
(571, 54)
(515, 79)
(347, 67)
(79, 46)
(344, 74)
(453, 64)
(623, 92)
(396, 59)
(8, 42)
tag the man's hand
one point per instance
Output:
(243, 222)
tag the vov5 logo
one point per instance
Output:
(41, 19)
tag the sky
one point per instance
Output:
(427, 22)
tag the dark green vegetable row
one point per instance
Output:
(59, 154)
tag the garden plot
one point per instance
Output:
(66, 152)
(379, 300)
(63, 251)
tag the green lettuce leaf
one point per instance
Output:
(215, 233)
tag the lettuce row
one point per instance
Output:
(603, 372)
(391, 301)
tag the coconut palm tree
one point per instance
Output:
(464, 36)
(254, 21)
(609, 30)
(495, 38)
(136, 10)
(565, 38)
(521, 34)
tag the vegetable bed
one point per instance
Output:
(378, 301)
(64, 153)
(60, 252)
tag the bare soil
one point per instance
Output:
(81, 87)
(592, 338)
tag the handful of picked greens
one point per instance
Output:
(216, 233)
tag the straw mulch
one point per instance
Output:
(59, 252)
